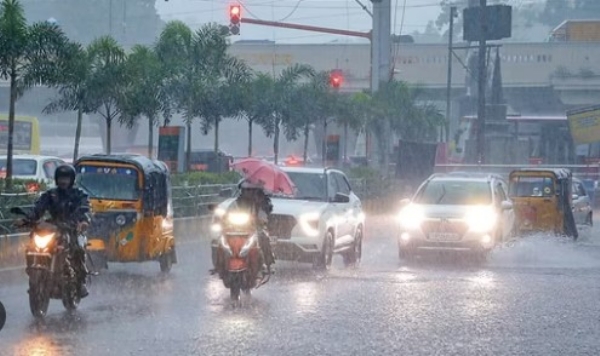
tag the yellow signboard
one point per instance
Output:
(585, 125)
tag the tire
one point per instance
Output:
(166, 261)
(353, 256)
(39, 299)
(324, 259)
(70, 293)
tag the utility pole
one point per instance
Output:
(481, 83)
(446, 136)
(381, 53)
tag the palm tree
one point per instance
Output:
(257, 101)
(283, 91)
(29, 55)
(72, 87)
(145, 93)
(108, 82)
(178, 51)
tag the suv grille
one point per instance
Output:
(281, 225)
(445, 225)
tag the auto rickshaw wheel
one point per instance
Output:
(166, 261)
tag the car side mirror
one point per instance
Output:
(506, 205)
(225, 193)
(575, 196)
(341, 198)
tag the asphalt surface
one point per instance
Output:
(538, 297)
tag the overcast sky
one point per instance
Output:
(341, 14)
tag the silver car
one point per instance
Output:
(582, 205)
(470, 213)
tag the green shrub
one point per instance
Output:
(199, 178)
(17, 196)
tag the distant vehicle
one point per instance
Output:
(207, 161)
(33, 167)
(582, 203)
(456, 212)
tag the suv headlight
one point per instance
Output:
(309, 223)
(411, 217)
(481, 219)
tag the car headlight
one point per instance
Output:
(411, 217)
(219, 212)
(238, 218)
(481, 219)
(309, 223)
(42, 241)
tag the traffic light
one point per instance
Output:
(336, 78)
(235, 16)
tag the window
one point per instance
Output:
(332, 186)
(109, 182)
(21, 167)
(531, 187)
(49, 168)
(310, 186)
(455, 192)
(343, 186)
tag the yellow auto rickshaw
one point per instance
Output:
(132, 212)
(542, 200)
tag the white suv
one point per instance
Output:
(34, 167)
(456, 212)
(325, 217)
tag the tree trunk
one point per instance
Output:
(11, 128)
(218, 158)
(150, 136)
(188, 151)
(108, 134)
(276, 141)
(345, 144)
(305, 149)
(324, 143)
(77, 134)
(250, 122)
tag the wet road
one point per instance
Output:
(540, 297)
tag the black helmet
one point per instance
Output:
(65, 170)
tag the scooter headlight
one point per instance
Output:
(238, 218)
(42, 241)
(248, 245)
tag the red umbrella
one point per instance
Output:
(265, 174)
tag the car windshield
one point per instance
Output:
(311, 186)
(455, 192)
(108, 182)
(531, 187)
(21, 167)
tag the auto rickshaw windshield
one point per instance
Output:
(531, 187)
(110, 183)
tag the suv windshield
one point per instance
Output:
(455, 192)
(21, 167)
(311, 186)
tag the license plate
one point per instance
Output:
(444, 236)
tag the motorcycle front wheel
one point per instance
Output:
(39, 299)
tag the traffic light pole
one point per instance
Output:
(482, 79)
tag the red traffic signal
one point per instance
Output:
(336, 78)
(235, 14)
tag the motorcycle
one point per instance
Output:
(239, 254)
(49, 265)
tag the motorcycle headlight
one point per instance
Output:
(219, 212)
(481, 219)
(120, 220)
(238, 218)
(309, 223)
(411, 217)
(42, 241)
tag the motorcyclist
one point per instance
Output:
(66, 204)
(253, 198)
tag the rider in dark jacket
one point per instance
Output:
(67, 204)
(254, 199)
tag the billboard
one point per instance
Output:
(584, 125)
